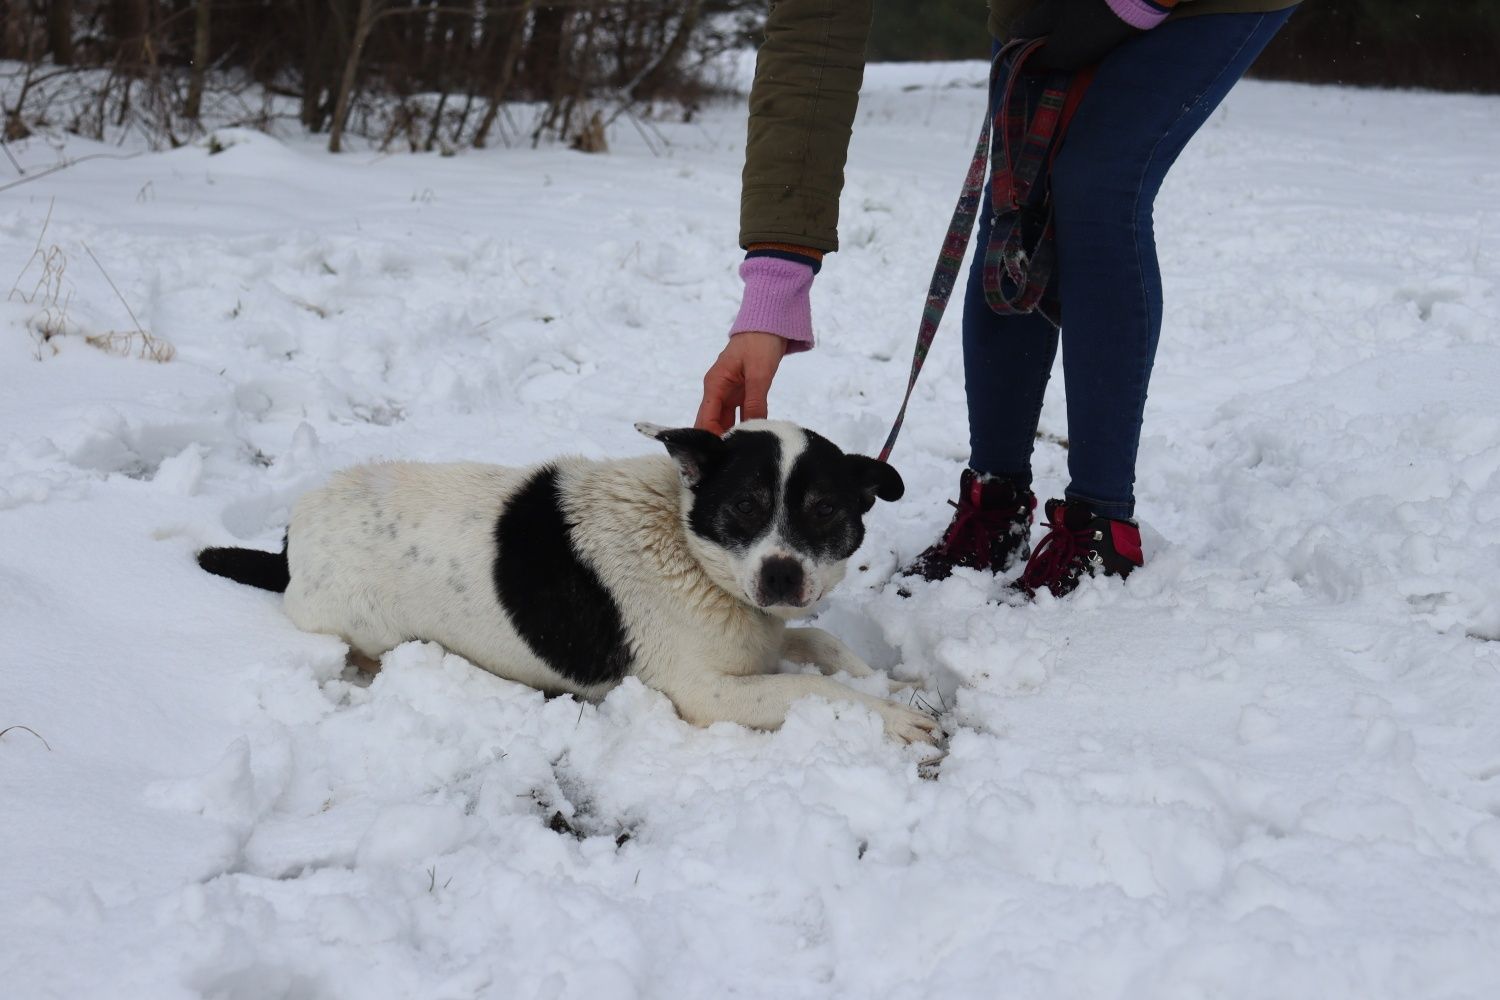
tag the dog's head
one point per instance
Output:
(774, 511)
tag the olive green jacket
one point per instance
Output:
(802, 104)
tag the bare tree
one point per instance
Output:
(59, 30)
(515, 36)
(14, 32)
(193, 106)
(659, 70)
(364, 23)
(132, 22)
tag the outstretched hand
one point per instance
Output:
(740, 379)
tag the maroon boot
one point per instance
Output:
(989, 529)
(1079, 543)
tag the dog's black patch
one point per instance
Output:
(828, 494)
(554, 599)
(266, 570)
(735, 500)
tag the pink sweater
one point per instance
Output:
(776, 301)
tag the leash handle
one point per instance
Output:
(954, 245)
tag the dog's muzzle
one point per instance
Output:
(781, 582)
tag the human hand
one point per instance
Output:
(1079, 33)
(740, 378)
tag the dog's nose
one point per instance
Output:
(781, 581)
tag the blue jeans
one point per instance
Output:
(1148, 98)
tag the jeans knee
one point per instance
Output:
(1086, 191)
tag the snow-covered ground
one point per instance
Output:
(1268, 766)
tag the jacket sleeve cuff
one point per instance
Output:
(777, 301)
(787, 251)
(1142, 14)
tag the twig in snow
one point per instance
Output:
(28, 729)
(152, 348)
(66, 164)
(114, 289)
(1050, 438)
(654, 145)
(35, 250)
(9, 156)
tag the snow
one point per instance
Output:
(1266, 766)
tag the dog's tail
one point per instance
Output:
(266, 570)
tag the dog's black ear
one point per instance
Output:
(695, 451)
(875, 479)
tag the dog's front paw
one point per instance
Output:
(908, 724)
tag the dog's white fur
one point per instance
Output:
(395, 551)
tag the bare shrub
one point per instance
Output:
(43, 285)
(430, 75)
(46, 291)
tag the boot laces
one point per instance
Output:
(972, 528)
(1062, 554)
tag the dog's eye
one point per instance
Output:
(745, 505)
(823, 508)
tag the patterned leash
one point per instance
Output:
(1018, 262)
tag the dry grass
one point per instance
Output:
(590, 138)
(50, 293)
(132, 344)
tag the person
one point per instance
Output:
(1161, 68)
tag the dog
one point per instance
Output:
(680, 569)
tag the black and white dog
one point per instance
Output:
(573, 575)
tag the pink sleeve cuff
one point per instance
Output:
(1142, 14)
(776, 301)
